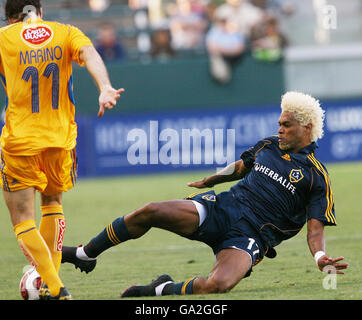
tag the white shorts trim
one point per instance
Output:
(201, 210)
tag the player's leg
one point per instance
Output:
(20, 176)
(230, 267)
(52, 225)
(234, 258)
(178, 216)
(21, 207)
(60, 166)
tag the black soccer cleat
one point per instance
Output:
(64, 294)
(148, 290)
(69, 255)
(85, 265)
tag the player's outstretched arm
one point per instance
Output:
(234, 171)
(108, 95)
(316, 243)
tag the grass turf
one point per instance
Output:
(93, 204)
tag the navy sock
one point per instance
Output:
(113, 234)
(68, 254)
(181, 288)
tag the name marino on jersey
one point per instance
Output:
(275, 176)
(41, 55)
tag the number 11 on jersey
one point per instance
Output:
(33, 73)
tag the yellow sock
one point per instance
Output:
(52, 228)
(37, 252)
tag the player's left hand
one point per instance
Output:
(326, 260)
(108, 99)
(199, 184)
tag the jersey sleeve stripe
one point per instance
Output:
(316, 165)
(330, 189)
(328, 213)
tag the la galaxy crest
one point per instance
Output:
(295, 175)
(209, 197)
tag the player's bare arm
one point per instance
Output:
(316, 243)
(234, 171)
(108, 95)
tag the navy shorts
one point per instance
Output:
(226, 227)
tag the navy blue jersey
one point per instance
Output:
(283, 190)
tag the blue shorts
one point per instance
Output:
(225, 226)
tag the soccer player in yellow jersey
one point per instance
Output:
(39, 137)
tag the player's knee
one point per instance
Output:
(216, 286)
(148, 211)
(55, 199)
(151, 208)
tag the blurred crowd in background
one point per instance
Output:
(226, 27)
(224, 30)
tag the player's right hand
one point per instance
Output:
(108, 99)
(326, 260)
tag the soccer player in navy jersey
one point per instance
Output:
(281, 186)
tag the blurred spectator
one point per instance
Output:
(225, 45)
(108, 45)
(242, 13)
(267, 41)
(161, 48)
(187, 27)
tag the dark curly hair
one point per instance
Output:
(14, 9)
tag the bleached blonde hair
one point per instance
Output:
(306, 110)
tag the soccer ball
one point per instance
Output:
(30, 284)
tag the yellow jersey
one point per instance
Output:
(36, 71)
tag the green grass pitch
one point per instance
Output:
(93, 204)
